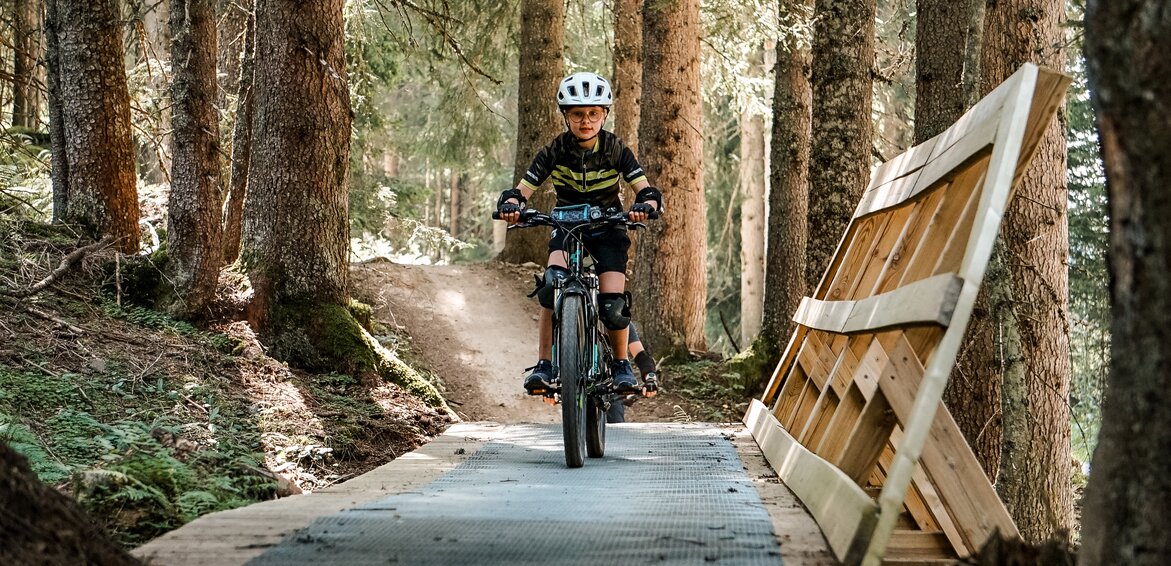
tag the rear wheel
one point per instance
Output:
(573, 367)
(595, 427)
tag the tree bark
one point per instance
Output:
(542, 39)
(155, 164)
(194, 230)
(784, 276)
(241, 148)
(627, 78)
(232, 33)
(670, 278)
(26, 36)
(843, 84)
(296, 233)
(752, 212)
(96, 178)
(231, 37)
(946, 87)
(40, 525)
(1126, 502)
(1034, 479)
(455, 202)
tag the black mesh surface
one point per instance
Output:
(663, 493)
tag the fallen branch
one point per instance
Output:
(76, 331)
(67, 263)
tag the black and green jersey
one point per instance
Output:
(585, 176)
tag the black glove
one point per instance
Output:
(509, 207)
(510, 194)
(643, 207)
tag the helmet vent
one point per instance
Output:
(572, 91)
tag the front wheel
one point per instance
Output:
(573, 368)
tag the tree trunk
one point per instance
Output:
(40, 525)
(784, 276)
(97, 174)
(241, 148)
(154, 163)
(670, 277)
(296, 233)
(752, 211)
(233, 19)
(231, 37)
(26, 36)
(59, 165)
(1034, 479)
(946, 87)
(1126, 502)
(455, 202)
(627, 78)
(839, 169)
(542, 39)
(194, 230)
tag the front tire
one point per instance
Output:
(573, 368)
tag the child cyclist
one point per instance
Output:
(585, 163)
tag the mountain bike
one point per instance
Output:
(582, 380)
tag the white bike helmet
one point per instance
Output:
(584, 89)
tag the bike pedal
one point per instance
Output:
(648, 393)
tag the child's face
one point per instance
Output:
(585, 121)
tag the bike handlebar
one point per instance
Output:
(532, 217)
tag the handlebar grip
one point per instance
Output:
(496, 215)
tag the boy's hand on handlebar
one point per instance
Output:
(510, 212)
(642, 210)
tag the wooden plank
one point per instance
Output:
(833, 444)
(919, 545)
(902, 164)
(785, 364)
(887, 196)
(846, 260)
(926, 207)
(975, 146)
(947, 460)
(870, 435)
(838, 505)
(935, 239)
(930, 301)
(790, 395)
(882, 253)
(827, 402)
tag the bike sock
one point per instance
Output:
(645, 363)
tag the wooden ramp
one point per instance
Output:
(852, 419)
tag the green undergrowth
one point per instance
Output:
(121, 447)
(150, 422)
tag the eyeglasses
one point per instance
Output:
(579, 116)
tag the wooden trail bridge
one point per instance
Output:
(851, 422)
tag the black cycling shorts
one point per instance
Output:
(608, 247)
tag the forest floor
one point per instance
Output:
(474, 327)
(151, 422)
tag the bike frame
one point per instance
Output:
(582, 281)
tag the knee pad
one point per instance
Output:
(615, 310)
(547, 286)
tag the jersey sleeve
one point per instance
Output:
(631, 171)
(540, 169)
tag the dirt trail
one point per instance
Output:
(472, 324)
